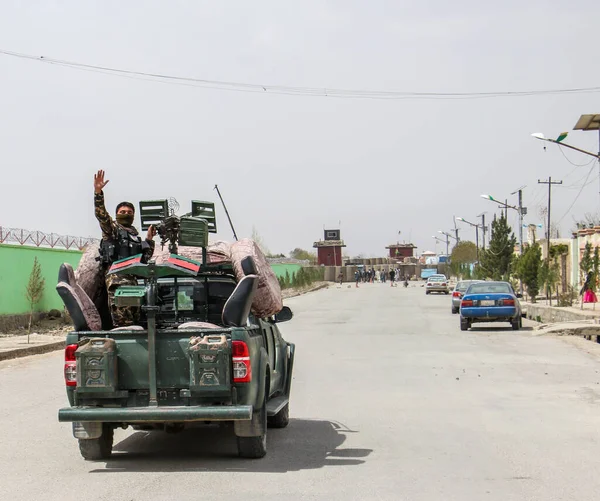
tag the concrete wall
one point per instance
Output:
(16, 262)
(551, 314)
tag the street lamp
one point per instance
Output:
(476, 233)
(522, 211)
(443, 241)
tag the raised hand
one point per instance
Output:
(99, 182)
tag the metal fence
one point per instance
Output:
(20, 236)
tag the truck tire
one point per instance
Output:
(97, 448)
(281, 419)
(255, 447)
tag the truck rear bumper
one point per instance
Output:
(155, 414)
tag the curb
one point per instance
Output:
(32, 350)
(318, 287)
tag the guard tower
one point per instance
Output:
(400, 251)
(329, 250)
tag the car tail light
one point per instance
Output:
(444, 284)
(428, 284)
(456, 294)
(242, 370)
(506, 302)
(466, 302)
(70, 365)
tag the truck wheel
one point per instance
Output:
(281, 419)
(97, 448)
(255, 447)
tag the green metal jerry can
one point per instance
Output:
(97, 365)
(209, 364)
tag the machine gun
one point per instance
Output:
(190, 229)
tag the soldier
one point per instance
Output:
(119, 240)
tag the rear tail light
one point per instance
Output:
(456, 294)
(242, 370)
(466, 302)
(506, 302)
(444, 284)
(70, 365)
(428, 284)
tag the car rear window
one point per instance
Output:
(437, 279)
(490, 288)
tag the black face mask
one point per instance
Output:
(125, 219)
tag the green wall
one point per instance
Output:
(280, 269)
(16, 262)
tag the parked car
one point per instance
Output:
(490, 302)
(459, 291)
(437, 283)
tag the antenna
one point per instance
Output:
(226, 212)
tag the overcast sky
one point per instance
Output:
(287, 164)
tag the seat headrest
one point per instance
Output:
(249, 266)
(237, 308)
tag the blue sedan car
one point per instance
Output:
(490, 302)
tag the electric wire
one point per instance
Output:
(292, 90)
(573, 163)
(578, 194)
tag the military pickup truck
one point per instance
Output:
(197, 356)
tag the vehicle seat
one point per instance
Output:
(237, 307)
(81, 308)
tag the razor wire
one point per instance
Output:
(34, 238)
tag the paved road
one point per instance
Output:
(390, 401)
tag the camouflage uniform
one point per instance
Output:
(127, 315)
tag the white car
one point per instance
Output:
(437, 283)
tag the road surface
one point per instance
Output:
(390, 401)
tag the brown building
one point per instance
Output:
(329, 250)
(400, 251)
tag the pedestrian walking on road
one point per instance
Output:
(392, 276)
(357, 277)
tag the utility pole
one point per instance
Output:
(549, 183)
(477, 241)
(482, 215)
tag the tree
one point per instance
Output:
(34, 290)
(464, 252)
(586, 263)
(303, 255)
(548, 277)
(528, 267)
(463, 256)
(595, 268)
(561, 251)
(495, 261)
(260, 241)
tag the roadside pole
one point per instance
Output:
(549, 183)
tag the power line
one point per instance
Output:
(292, 90)
(573, 163)
(578, 194)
